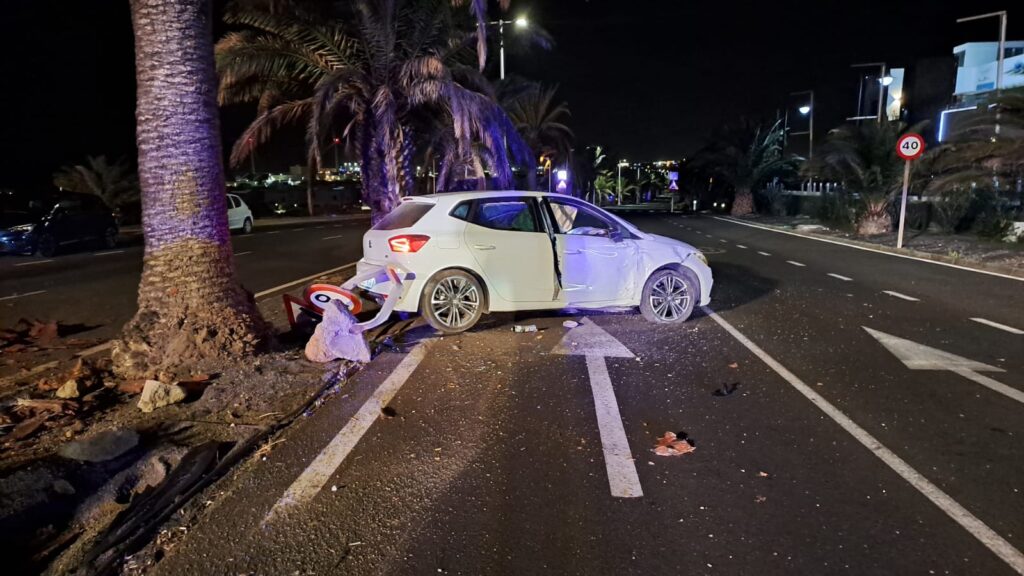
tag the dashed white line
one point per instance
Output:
(334, 237)
(243, 253)
(1003, 327)
(795, 263)
(741, 246)
(990, 538)
(900, 296)
(109, 253)
(841, 277)
(764, 253)
(13, 296)
(34, 263)
(274, 232)
(318, 227)
(326, 463)
(723, 241)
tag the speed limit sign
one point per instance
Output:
(910, 146)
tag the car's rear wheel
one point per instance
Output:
(47, 245)
(452, 301)
(247, 226)
(669, 296)
(109, 239)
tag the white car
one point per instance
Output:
(464, 254)
(239, 215)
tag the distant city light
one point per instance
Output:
(562, 175)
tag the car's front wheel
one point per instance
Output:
(452, 301)
(669, 296)
(47, 245)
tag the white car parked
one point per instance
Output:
(239, 214)
(463, 254)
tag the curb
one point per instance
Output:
(1014, 273)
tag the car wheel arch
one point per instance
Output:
(679, 267)
(483, 284)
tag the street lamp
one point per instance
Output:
(619, 187)
(884, 80)
(520, 22)
(1002, 41)
(806, 110)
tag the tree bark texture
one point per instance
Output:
(744, 202)
(192, 312)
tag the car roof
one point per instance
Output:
(475, 194)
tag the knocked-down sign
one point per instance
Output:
(308, 311)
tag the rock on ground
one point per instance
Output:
(156, 394)
(102, 446)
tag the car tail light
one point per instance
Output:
(407, 243)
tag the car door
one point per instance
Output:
(597, 258)
(508, 241)
(233, 212)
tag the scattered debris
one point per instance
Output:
(28, 427)
(333, 337)
(570, 324)
(131, 387)
(526, 328)
(671, 445)
(734, 365)
(763, 474)
(760, 499)
(726, 390)
(63, 487)
(102, 446)
(388, 412)
(69, 390)
(156, 394)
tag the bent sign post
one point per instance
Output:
(909, 147)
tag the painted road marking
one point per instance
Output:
(865, 248)
(741, 246)
(723, 241)
(301, 280)
(243, 253)
(326, 463)
(593, 342)
(763, 253)
(333, 237)
(992, 540)
(920, 357)
(796, 263)
(109, 253)
(1003, 327)
(841, 277)
(34, 263)
(318, 227)
(900, 296)
(274, 232)
(13, 296)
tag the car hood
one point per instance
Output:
(665, 240)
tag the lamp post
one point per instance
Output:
(806, 110)
(884, 80)
(618, 191)
(1001, 57)
(520, 22)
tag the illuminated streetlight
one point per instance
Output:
(522, 22)
(886, 80)
(805, 110)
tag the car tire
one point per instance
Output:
(452, 301)
(46, 245)
(669, 296)
(109, 238)
(247, 226)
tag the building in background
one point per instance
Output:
(976, 70)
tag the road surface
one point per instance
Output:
(852, 413)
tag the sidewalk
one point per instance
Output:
(965, 250)
(289, 221)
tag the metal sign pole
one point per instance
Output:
(903, 203)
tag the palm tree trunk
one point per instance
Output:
(193, 315)
(310, 181)
(875, 219)
(743, 204)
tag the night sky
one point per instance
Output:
(647, 79)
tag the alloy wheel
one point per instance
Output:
(670, 297)
(455, 301)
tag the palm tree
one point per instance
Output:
(540, 120)
(115, 183)
(394, 70)
(192, 312)
(746, 156)
(864, 158)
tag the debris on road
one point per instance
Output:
(102, 446)
(734, 365)
(334, 338)
(671, 445)
(524, 328)
(156, 394)
(570, 324)
(726, 390)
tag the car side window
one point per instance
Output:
(571, 218)
(233, 202)
(510, 214)
(461, 211)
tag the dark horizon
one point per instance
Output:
(646, 83)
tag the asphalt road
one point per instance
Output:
(498, 455)
(94, 292)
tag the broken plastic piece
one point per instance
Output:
(524, 328)
(671, 445)
(570, 324)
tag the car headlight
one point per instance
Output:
(700, 256)
(21, 229)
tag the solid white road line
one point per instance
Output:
(841, 277)
(796, 263)
(993, 541)
(333, 237)
(243, 253)
(320, 470)
(741, 246)
(13, 296)
(34, 263)
(109, 253)
(301, 280)
(900, 296)
(763, 253)
(618, 460)
(865, 248)
(1003, 327)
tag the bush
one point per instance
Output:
(951, 207)
(993, 226)
(836, 210)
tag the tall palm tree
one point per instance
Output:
(192, 310)
(115, 182)
(540, 120)
(864, 158)
(746, 156)
(376, 76)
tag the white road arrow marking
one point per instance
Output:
(920, 357)
(591, 341)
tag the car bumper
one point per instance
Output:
(372, 280)
(16, 245)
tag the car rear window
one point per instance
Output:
(406, 215)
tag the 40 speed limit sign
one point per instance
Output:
(910, 146)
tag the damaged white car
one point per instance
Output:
(457, 256)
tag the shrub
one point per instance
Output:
(951, 207)
(836, 210)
